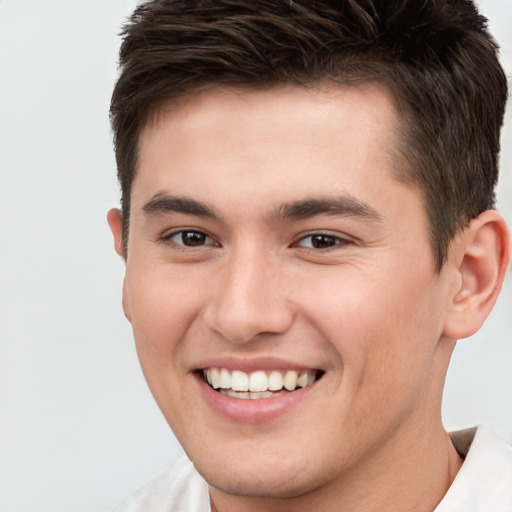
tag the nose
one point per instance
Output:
(249, 300)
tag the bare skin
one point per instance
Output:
(268, 233)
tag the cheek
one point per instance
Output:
(163, 309)
(384, 327)
(163, 306)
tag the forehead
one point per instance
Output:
(297, 138)
(284, 103)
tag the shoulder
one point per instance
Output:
(484, 482)
(179, 489)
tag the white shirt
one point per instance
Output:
(483, 484)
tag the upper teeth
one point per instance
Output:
(259, 380)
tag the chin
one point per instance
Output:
(261, 480)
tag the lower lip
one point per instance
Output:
(252, 410)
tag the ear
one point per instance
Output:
(481, 258)
(114, 220)
(116, 226)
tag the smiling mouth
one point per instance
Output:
(258, 384)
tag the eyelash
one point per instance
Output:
(331, 240)
(337, 241)
(168, 238)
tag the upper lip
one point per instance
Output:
(252, 364)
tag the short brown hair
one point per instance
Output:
(436, 56)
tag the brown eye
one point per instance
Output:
(321, 241)
(190, 238)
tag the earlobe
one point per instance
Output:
(116, 226)
(482, 255)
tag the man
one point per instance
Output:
(308, 227)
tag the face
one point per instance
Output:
(281, 287)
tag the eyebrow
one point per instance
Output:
(163, 203)
(345, 205)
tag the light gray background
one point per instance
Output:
(78, 428)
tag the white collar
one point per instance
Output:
(484, 482)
